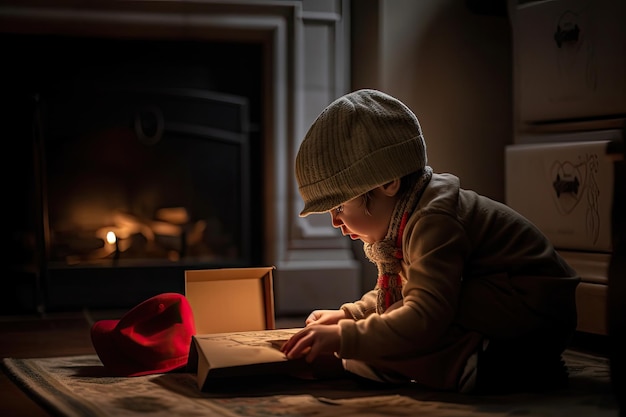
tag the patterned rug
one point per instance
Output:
(76, 387)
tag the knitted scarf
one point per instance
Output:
(387, 253)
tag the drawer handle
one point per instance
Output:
(562, 36)
(563, 186)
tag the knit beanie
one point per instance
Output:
(359, 142)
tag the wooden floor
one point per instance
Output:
(31, 337)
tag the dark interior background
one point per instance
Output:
(54, 90)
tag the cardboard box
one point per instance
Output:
(231, 299)
(218, 359)
(591, 306)
(591, 293)
(569, 59)
(565, 189)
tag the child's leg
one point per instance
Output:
(532, 364)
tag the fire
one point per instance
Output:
(111, 238)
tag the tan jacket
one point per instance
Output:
(473, 269)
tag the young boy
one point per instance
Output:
(470, 297)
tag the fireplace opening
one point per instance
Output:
(142, 158)
(145, 177)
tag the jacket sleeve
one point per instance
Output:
(362, 308)
(435, 248)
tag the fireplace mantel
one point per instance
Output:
(306, 54)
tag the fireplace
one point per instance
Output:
(270, 67)
(145, 177)
(142, 155)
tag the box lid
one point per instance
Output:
(231, 299)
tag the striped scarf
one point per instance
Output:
(387, 253)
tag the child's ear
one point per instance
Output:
(391, 188)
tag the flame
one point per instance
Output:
(111, 238)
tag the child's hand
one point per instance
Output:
(313, 341)
(325, 317)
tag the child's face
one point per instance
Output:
(368, 223)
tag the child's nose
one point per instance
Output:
(334, 219)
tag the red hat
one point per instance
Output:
(153, 337)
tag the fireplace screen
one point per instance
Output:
(147, 178)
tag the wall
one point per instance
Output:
(452, 67)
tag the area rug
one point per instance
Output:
(76, 387)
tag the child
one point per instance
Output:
(470, 297)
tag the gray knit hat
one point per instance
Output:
(360, 141)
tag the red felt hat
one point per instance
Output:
(153, 337)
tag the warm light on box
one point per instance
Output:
(231, 299)
(565, 189)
